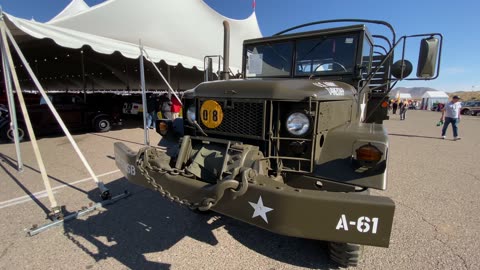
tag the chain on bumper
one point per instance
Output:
(215, 191)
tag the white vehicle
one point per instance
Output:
(132, 108)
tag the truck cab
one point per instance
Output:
(294, 146)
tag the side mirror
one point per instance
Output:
(402, 69)
(428, 57)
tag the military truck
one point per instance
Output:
(296, 144)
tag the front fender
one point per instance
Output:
(335, 162)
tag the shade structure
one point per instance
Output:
(430, 98)
(75, 7)
(181, 31)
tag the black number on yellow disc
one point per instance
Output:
(211, 114)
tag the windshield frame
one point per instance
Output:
(358, 31)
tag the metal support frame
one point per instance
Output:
(11, 105)
(105, 193)
(85, 211)
(10, 75)
(161, 75)
(55, 209)
(146, 136)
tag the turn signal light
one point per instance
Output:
(384, 104)
(369, 153)
(163, 128)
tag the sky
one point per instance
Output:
(458, 21)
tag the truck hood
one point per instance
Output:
(276, 89)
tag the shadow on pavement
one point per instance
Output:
(4, 160)
(146, 223)
(12, 162)
(414, 136)
(114, 138)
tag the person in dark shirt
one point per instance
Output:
(403, 109)
(152, 108)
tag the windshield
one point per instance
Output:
(325, 55)
(269, 60)
(314, 56)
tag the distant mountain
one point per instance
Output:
(415, 92)
(466, 95)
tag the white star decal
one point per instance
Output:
(260, 209)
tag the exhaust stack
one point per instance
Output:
(226, 50)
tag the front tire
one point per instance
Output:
(102, 124)
(345, 254)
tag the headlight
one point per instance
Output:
(191, 116)
(298, 124)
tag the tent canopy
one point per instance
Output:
(160, 25)
(435, 94)
(405, 96)
(75, 7)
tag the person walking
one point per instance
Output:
(395, 106)
(165, 106)
(403, 109)
(152, 108)
(451, 115)
(176, 107)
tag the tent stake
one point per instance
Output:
(85, 211)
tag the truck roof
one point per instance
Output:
(326, 31)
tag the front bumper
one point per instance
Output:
(274, 206)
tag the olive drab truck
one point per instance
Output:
(296, 144)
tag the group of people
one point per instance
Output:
(168, 105)
(401, 105)
(450, 114)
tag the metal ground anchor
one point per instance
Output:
(85, 211)
(56, 213)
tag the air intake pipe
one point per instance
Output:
(226, 50)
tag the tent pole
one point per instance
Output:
(83, 76)
(144, 97)
(105, 193)
(11, 106)
(161, 75)
(168, 73)
(56, 210)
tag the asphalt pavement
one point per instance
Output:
(435, 184)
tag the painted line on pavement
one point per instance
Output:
(43, 193)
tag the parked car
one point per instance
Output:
(469, 106)
(75, 113)
(475, 112)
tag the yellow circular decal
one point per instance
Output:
(211, 114)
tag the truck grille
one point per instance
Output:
(240, 119)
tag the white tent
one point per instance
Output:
(181, 31)
(430, 98)
(75, 7)
(435, 94)
(404, 96)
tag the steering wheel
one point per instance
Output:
(328, 62)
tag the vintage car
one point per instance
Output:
(76, 114)
(470, 107)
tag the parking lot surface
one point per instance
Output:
(435, 184)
